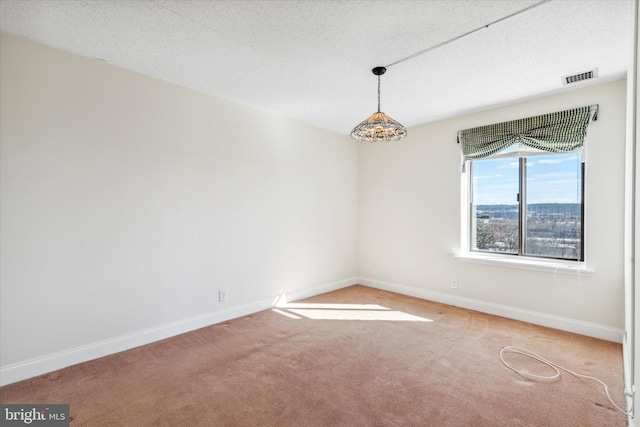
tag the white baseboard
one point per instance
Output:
(323, 289)
(34, 367)
(537, 318)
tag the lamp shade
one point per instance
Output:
(379, 127)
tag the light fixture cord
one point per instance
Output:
(378, 93)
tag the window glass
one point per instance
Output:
(553, 226)
(494, 207)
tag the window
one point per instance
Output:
(530, 206)
(525, 185)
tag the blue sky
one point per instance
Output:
(550, 179)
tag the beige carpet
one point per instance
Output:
(384, 360)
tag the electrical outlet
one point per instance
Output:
(454, 284)
(222, 296)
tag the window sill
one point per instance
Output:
(559, 266)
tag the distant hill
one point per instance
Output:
(564, 210)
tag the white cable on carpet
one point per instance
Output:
(557, 368)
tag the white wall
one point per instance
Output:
(409, 219)
(128, 202)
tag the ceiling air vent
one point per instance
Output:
(575, 78)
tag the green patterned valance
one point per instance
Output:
(560, 132)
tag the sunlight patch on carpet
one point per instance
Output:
(345, 312)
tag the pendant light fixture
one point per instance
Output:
(379, 126)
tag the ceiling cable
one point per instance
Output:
(422, 52)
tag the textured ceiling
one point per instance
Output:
(312, 60)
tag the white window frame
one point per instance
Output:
(506, 260)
